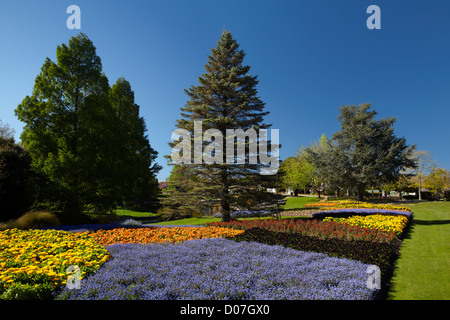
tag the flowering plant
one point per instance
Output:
(33, 263)
(388, 223)
(160, 235)
(246, 213)
(313, 228)
(355, 205)
(221, 269)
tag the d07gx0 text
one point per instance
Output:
(246, 309)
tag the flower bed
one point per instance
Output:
(246, 214)
(378, 253)
(349, 204)
(33, 263)
(388, 223)
(312, 228)
(258, 259)
(222, 269)
(160, 235)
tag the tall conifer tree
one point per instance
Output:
(225, 98)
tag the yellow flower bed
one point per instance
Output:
(33, 263)
(355, 205)
(379, 221)
(372, 206)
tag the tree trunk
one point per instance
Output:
(360, 191)
(224, 201)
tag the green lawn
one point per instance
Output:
(422, 271)
(291, 203)
(131, 213)
(187, 221)
(298, 202)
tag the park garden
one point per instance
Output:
(325, 256)
(83, 217)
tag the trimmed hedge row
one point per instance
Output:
(348, 212)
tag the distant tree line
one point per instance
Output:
(364, 154)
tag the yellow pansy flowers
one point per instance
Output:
(395, 223)
(34, 262)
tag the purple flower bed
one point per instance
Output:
(345, 212)
(222, 269)
(246, 213)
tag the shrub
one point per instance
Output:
(16, 188)
(345, 213)
(37, 219)
(11, 224)
(447, 195)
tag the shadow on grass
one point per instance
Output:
(390, 291)
(430, 222)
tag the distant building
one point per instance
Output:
(163, 185)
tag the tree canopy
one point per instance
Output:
(364, 152)
(86, 139)
(225, 98)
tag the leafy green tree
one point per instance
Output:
(422, 171)
(226, 98)
(290, 174)
(16, 192)
(182, 198)
(371, 151)
(438, 180)
(134, 152)
(73, 130)
(297, 172)
(330, 165)
(5, 131)
(364, 152)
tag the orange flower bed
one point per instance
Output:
(320, 204)
(160, 234)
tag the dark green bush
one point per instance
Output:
(447, 195)
(16, 192)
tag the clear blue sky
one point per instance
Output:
(311, 57)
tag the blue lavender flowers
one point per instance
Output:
(246, 213)
(222, 269)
